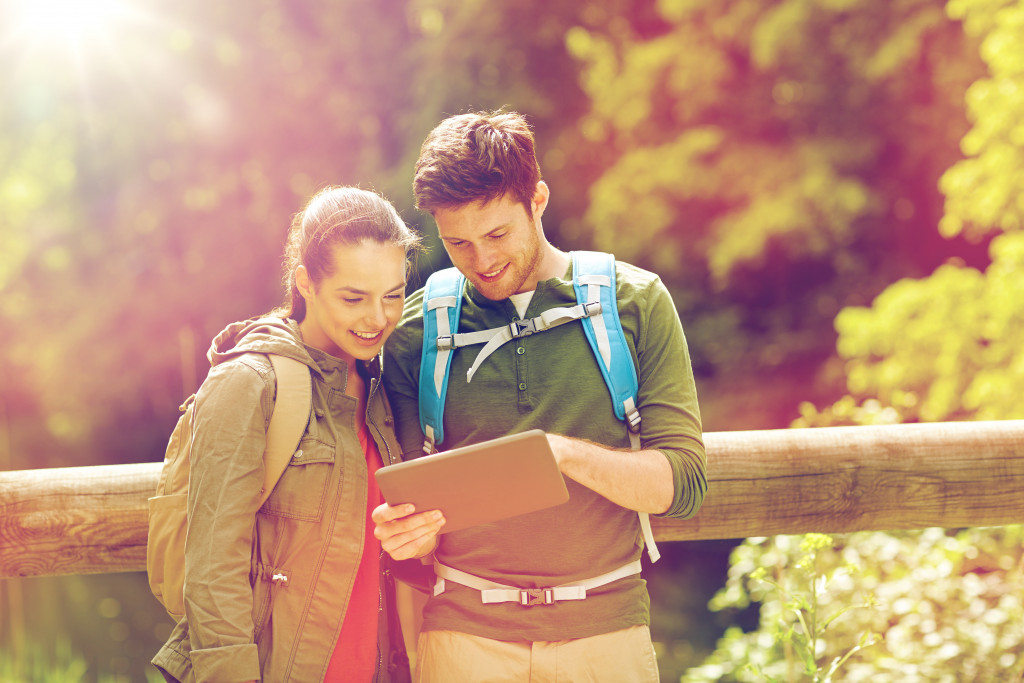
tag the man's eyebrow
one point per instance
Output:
(503, 226)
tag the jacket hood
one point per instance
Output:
(259, 335)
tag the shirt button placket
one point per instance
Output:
(521, 372)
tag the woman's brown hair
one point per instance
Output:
(335, 216)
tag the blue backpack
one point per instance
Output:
(596, 308)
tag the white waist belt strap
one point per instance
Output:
(492, 592)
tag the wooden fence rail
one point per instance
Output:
(82, 520)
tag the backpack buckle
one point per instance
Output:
(592, 308)
(633, 420)
(528, 597)
(446, 342)
(522, 328)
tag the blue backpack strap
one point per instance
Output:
(442, 303)
(594, 280)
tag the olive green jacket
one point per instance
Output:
(266, 590)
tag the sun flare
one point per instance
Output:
(67, 22)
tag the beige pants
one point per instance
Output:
(625, 656)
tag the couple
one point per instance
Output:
(302, 589)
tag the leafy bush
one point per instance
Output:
(903, 606)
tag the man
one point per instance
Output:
(478, 176)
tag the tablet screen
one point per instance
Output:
(481, 483)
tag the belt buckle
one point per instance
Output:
(528, 597)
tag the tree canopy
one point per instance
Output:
(947, 346)
(773, 161)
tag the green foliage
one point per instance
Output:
(945, 347)
(984, 191)
(754, 155)
(59, 666)
(794, 612)
(881, 607)
(948, 346)
(134, 230)
(215, 125)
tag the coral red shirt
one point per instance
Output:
(355, 657)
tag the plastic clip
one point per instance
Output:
(522, 328)
(529, 597)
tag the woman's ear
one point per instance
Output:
(303, 283)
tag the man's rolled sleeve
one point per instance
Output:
(668, 399)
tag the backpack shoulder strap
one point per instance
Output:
(288, 421)
(594, 280)
(442, 304)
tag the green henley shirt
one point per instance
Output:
(551, 381)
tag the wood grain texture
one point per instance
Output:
(842, 479)
(75, 520)
(83, 520)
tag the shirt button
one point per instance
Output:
(298, 454)
(522, 386)
(520, 350)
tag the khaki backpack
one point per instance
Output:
(168, 519)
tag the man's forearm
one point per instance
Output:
(637, 480)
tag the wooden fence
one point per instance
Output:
(82, 520)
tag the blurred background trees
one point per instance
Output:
(830, 188)
(774, 161)
(937, 604)
(947, 346)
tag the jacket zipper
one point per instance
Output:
(380, 615)
(374, 383)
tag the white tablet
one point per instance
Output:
(481, 483)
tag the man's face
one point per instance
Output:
(497, 245)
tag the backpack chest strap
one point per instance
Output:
(495, 337)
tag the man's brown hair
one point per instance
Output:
(477, 157)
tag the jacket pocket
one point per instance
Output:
(302, 489)
(165, 551)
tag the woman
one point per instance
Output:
(300, 594)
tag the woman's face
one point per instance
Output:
(351, 312)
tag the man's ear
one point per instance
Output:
(540, 199)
